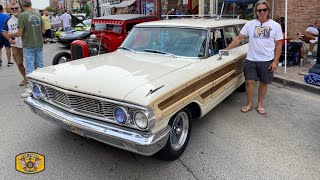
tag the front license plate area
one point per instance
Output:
(74, 129)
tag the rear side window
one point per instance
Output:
(239, 27)
(230, 34)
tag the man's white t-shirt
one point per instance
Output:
(314, 31)
(11, 26)
(65, 18)
(262, 39)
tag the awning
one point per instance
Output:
(124, 3)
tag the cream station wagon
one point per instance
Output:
(143, 96)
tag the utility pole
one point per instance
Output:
(98, 9)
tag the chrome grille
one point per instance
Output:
(86, 105)
(108, 108)
(57, 96)
(83, 105)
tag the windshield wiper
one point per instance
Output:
(125, 48)
(158, 51)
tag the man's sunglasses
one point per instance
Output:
(15, 8)
(264, 10)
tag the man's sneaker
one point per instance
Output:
(25, 95)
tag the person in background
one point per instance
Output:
(296, 47)
(30, 27)
(11, 26)
(55, 21)
(312, 34)
(66, 20)
(263, 55)
(3, 41)
(150, 13)
(47, 27)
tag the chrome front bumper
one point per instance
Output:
(144, 143)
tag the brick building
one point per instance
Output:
(301, 13)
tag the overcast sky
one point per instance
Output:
(40, 4)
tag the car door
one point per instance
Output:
(226, 70)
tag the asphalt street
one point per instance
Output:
(225, 144)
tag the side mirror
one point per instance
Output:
(223, 52)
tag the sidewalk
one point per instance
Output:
(294, 77)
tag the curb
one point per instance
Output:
(296, 85)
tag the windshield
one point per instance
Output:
(187, 42)
(107, 27)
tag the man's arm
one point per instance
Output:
(274, 64)
(17, 34)
(6, 35)
(309, 35)
(236, 41)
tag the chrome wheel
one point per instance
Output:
(63, 60)
(179, 130)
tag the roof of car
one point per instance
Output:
(125, 17)
(200, 22)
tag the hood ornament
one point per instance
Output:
(154, 90)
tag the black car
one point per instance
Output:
(80, 30)
(66, 38)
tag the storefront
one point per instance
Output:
(161, 8)
(193, 7)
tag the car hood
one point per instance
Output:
(74, 34)
(111, 75)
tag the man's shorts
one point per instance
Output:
(258, 69)
(4, 42)
(17, 54)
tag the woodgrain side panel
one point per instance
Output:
(237, 66)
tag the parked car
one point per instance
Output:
(110, 32)
(81, 31)
(74, 21)
(144, 96)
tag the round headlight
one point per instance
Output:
(120, 114)
(141, 120)
(28, 88)
(36, 91)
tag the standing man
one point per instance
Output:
(265, 48)
(11, 26)
(3, 41)
(66, 20)
(30, 26)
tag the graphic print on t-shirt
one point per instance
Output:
(262, 32)
(34, 20)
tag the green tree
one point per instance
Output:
(50, 9)
(86, 9)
